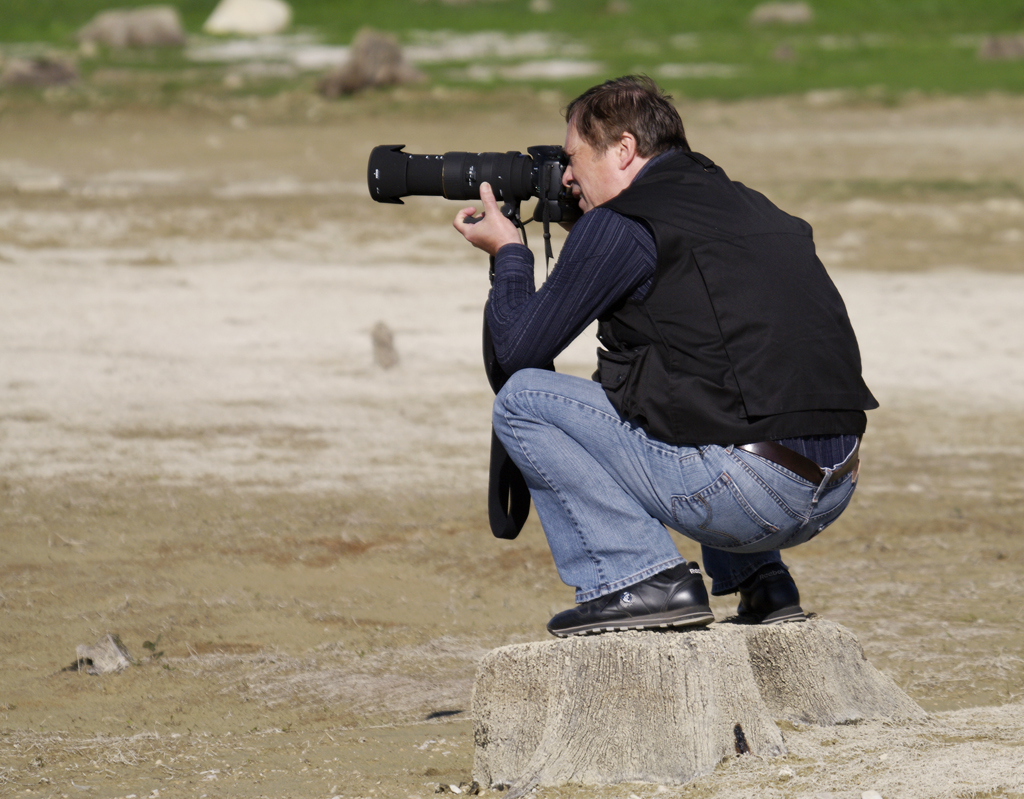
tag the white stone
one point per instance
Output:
(108, 655)
(797, 13)
(249, 17)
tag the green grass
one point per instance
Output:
(26, 20)
(885, 46)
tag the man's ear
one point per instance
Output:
(625, 150)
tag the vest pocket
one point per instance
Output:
(619, 373)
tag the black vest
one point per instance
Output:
(742, 335)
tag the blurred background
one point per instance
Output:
(731, 49)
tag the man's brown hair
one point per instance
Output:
(633, 104)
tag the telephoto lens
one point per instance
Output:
(392, 174)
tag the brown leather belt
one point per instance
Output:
(795, 462)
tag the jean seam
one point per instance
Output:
(768, 489)
(845, 498)
(741, 500)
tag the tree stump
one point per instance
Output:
(665, 707)
(816, 673)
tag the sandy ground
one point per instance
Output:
(198, 453)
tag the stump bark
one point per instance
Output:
(665, 707)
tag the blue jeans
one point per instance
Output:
(605, 492)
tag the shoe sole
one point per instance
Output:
(780, 616)
(693, 617)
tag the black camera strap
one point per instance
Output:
(508, 496)
(546, 217)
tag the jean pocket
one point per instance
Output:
(720, 516)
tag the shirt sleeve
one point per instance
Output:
(605, 259)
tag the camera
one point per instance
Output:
(514, 177)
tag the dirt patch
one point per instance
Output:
(199, 453)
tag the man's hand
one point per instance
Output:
(493, 231)
(571, 212)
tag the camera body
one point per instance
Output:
(392, 174)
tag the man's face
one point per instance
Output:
(593, 176)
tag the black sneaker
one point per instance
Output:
(672, 598)
(770, 597)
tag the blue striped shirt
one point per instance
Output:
(605, 259)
